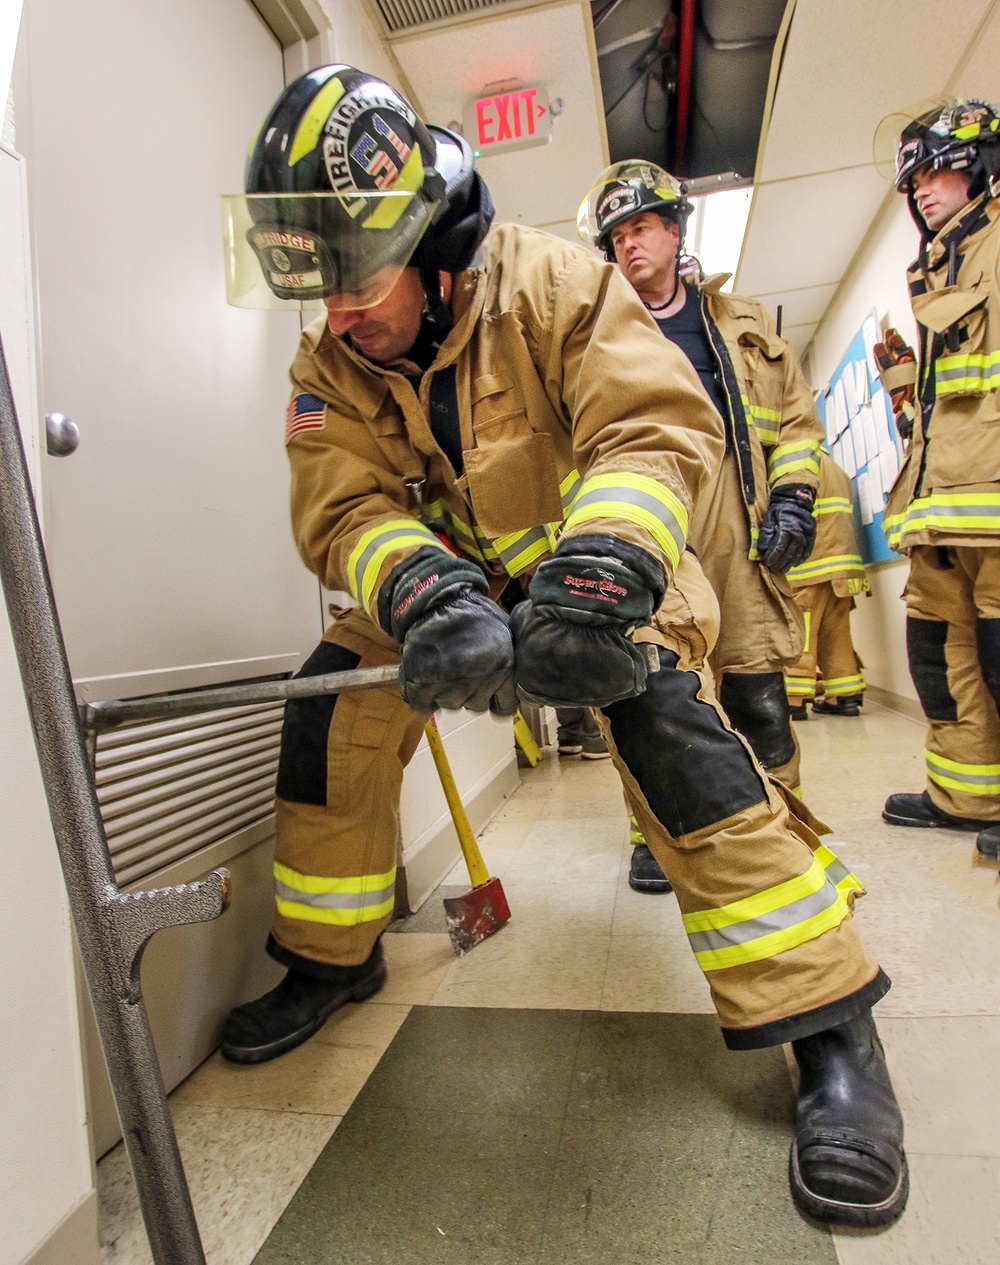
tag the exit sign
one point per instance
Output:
(508, 120)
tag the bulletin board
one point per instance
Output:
(861, 437)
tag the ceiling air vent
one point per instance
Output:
(408, 15)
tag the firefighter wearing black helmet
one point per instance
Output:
(506, 419)
(944, 509)
(755, 520)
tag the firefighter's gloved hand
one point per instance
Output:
(572, 638)
(897, 367)
(457, 647)
(787, 530)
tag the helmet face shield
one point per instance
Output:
(938, 132)
(623, 190)
(282, 247)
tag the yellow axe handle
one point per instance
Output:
(478, 872)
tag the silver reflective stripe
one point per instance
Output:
(777, 920)
(381, 539)
(524, 539)
(333, 900)
(632, 496)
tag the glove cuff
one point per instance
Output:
(800, 494)
(650, 570)
(420, 583)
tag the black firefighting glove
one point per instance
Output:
(897, 367)
(457, 647)
(788, 530)
(572, 637)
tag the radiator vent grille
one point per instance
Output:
(169, 788)
(408, 15)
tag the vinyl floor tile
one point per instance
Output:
(951, 1219)
(654, 973)
(524, 970)
(941, 1089)
(321, 1077)
(242, 1168)
(417, 964)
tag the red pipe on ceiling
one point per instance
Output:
(685, 57)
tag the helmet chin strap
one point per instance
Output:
(437, 313)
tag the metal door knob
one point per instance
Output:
(62, 435)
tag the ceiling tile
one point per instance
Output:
(448, 67)
(799, 307)
(847, 65)
(805, 232)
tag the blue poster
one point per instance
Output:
(861, 437)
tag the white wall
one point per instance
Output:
(45, 1174)
(876, 279)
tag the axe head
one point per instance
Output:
(473, 917)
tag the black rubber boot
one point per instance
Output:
(644, 873)
(921, 811)
(298, 1007)
(842, 705)
(798, 711)
(847, 1165)
(988, 841)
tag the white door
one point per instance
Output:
(168, 529)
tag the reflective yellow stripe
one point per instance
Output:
(844, 685)
(439, 516)
(310, 128)
(799, 454)
(634, 832)
(342, 902)
(375, 545)
(389, 209)
(826, 566)
(972, 371)
(974, 779)
(518, 550)
(800, 686)
(569, 489)
(766, 421)
(833, 505)
(773, 921)
(636, 499)
(942, 511)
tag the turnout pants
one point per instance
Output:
(953, 642)
(829, 650)
(761, 630)
(766, 906)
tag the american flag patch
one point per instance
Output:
(305, 412)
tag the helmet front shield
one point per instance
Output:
(943, 131)
(301, 247)
(623, 190)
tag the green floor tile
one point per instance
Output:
(556, 1138)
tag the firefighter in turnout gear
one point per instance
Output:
(944, 508)
(825, 588)
(509, 413)
(755, 520)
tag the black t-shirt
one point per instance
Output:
(686, 329)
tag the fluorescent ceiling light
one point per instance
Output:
(716, 230)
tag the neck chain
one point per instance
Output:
(658, 307)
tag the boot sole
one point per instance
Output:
(834, 1212)
(649, 886)
(971, 827)
(264, 1053)
(991, 850)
